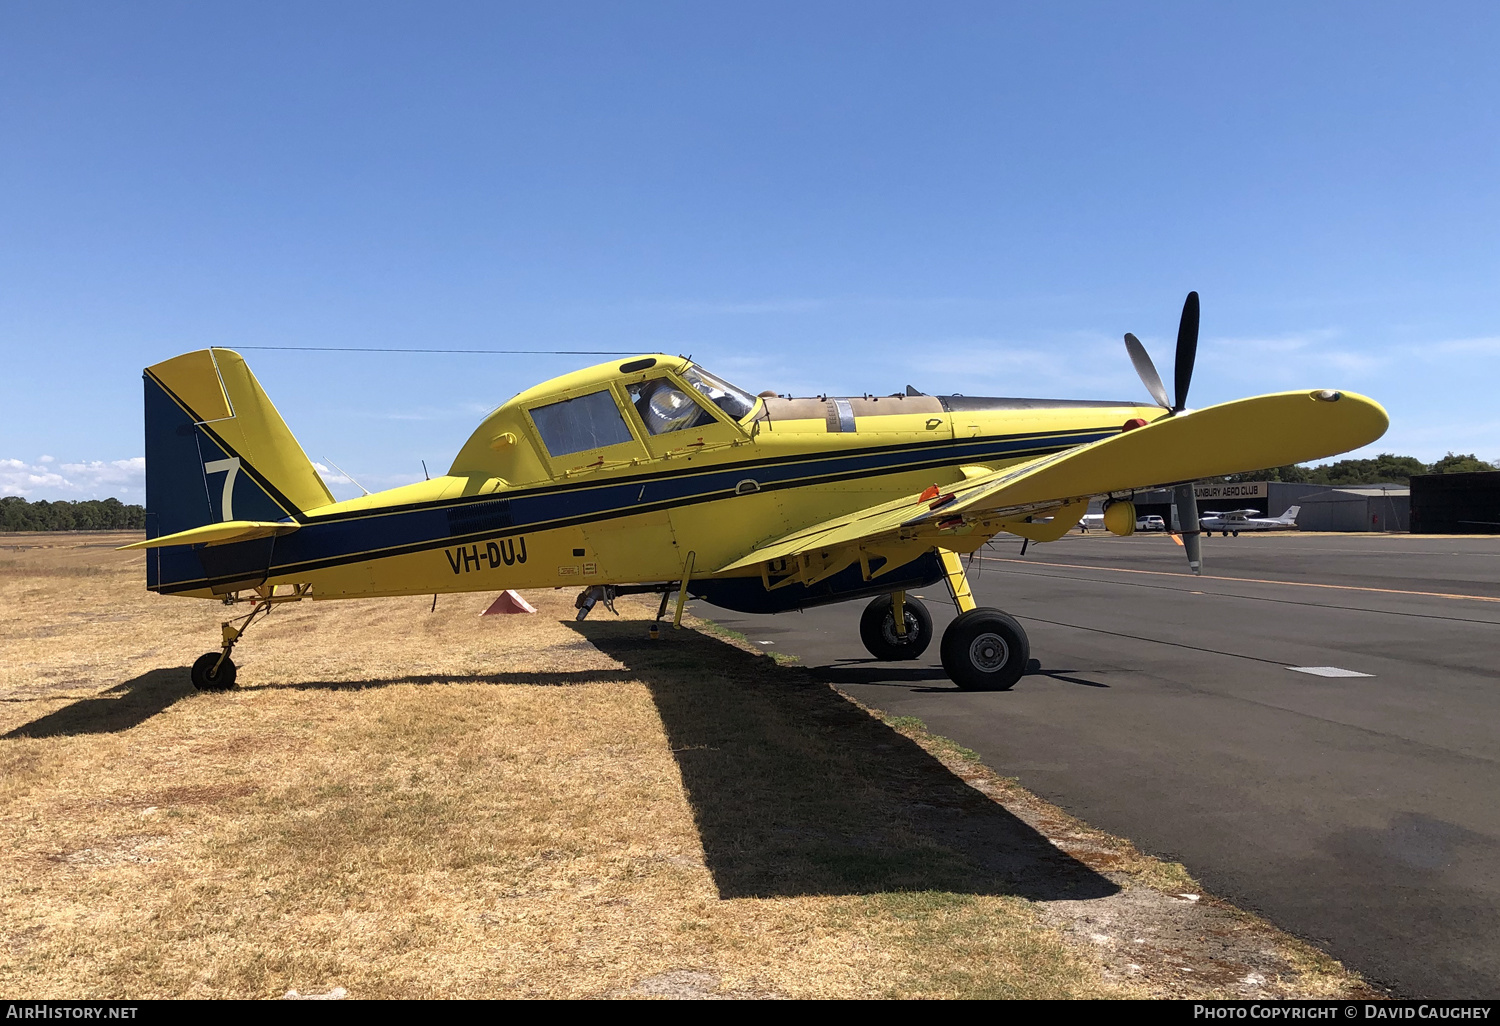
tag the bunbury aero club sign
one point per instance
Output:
(1238, 490)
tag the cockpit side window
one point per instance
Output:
(665, 408)
(590, 421)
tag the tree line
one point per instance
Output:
(1387, 468)
(16, 514)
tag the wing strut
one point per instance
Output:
(687, 575)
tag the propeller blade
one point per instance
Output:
(1187, 350)
(1147, 370)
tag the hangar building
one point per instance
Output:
(1456, 503)
(1357, 508)
(1324, 507)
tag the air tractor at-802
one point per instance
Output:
(653, 475)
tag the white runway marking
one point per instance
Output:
(1329, 671)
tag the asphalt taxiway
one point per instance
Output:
(1359, 812)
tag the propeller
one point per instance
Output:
(1187, 353)
(1182, 378)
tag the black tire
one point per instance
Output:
(877, 629)
(985, 650)
(1236, 534)
(204, 677)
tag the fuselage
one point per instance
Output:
(640, 497)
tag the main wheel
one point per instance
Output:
(205, 678)
(985, 650)
(877, 629)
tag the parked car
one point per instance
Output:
(1150, 524)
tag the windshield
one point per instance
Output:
(731, 400)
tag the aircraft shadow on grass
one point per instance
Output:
(133, 702)
(127, 704)
(797, 791)
(558, 679)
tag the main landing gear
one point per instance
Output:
(215, 671)
(983, 649)
(895, 626)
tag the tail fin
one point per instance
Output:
(217, 450)
(1290, 516)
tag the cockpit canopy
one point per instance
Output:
(607, 407)
(594, 421)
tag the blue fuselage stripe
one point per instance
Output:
(356, 536)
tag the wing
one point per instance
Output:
(1265, 431)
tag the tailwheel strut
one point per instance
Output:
(215, 671)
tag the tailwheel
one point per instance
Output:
(877, 629)
(214, 671)
(985, 650)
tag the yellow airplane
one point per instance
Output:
(653, 475)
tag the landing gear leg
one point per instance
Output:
(895, 626)
(958, 581)
(983, 649)
(215, 671)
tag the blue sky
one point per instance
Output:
(810, 197)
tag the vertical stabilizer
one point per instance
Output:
(217, 450)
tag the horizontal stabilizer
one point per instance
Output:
(218, 534)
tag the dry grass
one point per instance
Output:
(409, 804)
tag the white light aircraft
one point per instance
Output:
(1236, 520)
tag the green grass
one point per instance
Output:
(917, 730)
